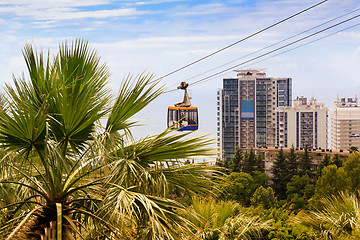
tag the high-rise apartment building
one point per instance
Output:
(302, 124)
(345, 124)
(246, 110)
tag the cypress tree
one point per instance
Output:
(292, 164)
(237, 160)
(259, 164)
(248, 165)
(305, 164)
(336, 160)
(324, 163)
(279, 175)
(226, 163)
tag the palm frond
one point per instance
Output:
(132, 98)
(22, 124)
(155, 164)
(166, 146)
(339, 217)
(81, 96)
(243, 227)
(222, 220)
(155, 217)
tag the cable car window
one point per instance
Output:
(172, 118)
(192, 119)
(195, 116)
(182, 115)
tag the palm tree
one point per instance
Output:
(215, 220)
(70, 167)
(338, 218)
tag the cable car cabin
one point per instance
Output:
(183, 118)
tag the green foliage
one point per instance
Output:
(352, 171)
(243, 227)
(305, 163)
(354, 149)
(332, 181)
(208, 216)
(326, 161)
(238, 187)
(281, 225)
(213, 220)
(260, 179)
(338, 218)
(264, 197)
(336, 160)
(259, 163)
(249, 163)
(279, 175)
(237, 160)
(299, 190)
(226, 164)
(336, 213)
(292, 164)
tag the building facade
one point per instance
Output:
(246, 110)
(345, 124)
(302, 124)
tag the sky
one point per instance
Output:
(159, 36)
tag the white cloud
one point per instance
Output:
(41, 4)
(150, 2)
(62, 14)
(204, 9)
(66, 13)
(167, 41)
(44, 24)
(63, 9)
(350, 35)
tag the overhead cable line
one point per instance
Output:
(271, 45)
(291, 49)
(272, 51)
(302, 45)
(279, 48)
(239, 41)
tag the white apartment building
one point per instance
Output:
(345, 124)
(303, 124)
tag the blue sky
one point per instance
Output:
(159, 36)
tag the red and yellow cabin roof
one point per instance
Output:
(182, 108)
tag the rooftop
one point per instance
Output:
(346, 103)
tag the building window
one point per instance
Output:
(297, 129)
(316, 141)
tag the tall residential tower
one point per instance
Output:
(345, 124)
(246, 110)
